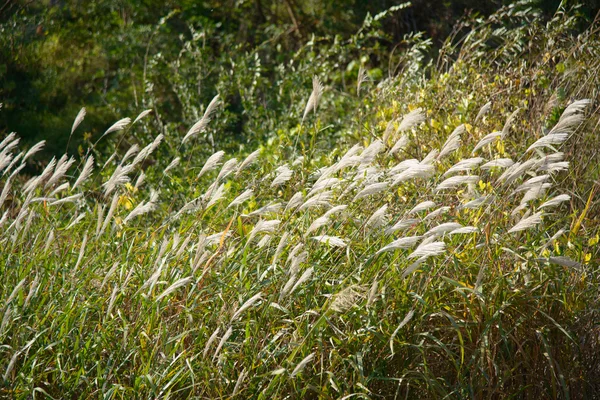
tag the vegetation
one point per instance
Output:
(423, 229)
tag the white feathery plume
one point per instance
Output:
(346, 298)
(132, 151)
(306, 275)
(10, 138)
(498, 163)
(371, 189)
(389, 129)
(550, 140)
(264, 241)
(59, 189)
(10, 163)
(224, 339)
(263, 226)
(411, 120)
(436, 213)
(370, 153)
(295, 252)
(302, 364)
(49, 241)
(564, 262)
(85, 172)
(78, 119)
(216, 237)
(363, 76)
(401, 225)
(60, 170)
(516, 171)
(430, 157)
(527, 223)
(216, 195)
(425, 205)
(464, 165)
(76, 221)
(296, 200)
(143, 207)
(4, 218)
(555, 201)
(400, 144)
(176, 285)
(268, 209)
(402, 243)
(532, 182)
(405, 321)
(378, 218)
(509, 122)
(443, 228)
(324, 219)
(478, 202)
(141, 115)
(417, 171)
(37, 147)
(372, 292)
(555, 167)
(119, 177)
(455, 181)
(284, 174)
(550, 158)
(575, 107)
(280, 246)
(109, 215)
(210, 341)
(238, 383)
(203, 122)
(241, 198)
(117, 126)
(246, 306)
(318, 200)
(464, 230)
(228, 168)
(146, 151)
(483, 111)
(140, 180)
(315, 97)
(333, 241)
(69, 199)
(5, 191)
(172, 164)
(323, 184)
(335, 210)
(212, 162)
(571, 117)
(453, 141)
(428, 250)
(110, 159)
(403, 166)
(248, 161)
(100, 217)
(487, 140)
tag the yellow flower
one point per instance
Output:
(593, 241)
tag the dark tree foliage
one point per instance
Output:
(118, 57)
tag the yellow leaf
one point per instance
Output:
(500, 147)
(126, 201)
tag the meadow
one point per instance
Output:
(432, 233)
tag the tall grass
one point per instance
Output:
(449, 252)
